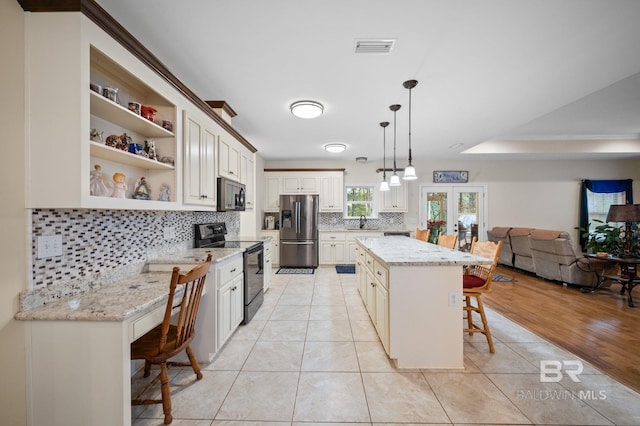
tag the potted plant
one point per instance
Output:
(605, 238)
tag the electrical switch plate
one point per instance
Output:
(453, 298)
(49, 246)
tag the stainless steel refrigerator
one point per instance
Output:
(299, 231)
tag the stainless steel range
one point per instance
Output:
(212, 235)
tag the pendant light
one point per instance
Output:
(384, 185)
(395, 179)
(410, 171)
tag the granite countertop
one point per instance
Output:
(356, 230)
(406, 251)
(196, 255)
(121, 299)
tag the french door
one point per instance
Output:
(453, 209)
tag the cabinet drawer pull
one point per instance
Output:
(378, 272)
(233, 270)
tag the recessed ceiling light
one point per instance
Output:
(361, 159)
(456, 145)
(335, 147)
(307, 109)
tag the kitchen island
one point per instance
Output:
(79, 365)
(413, 293)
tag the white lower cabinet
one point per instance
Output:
(372, 277)
(332, 248)
(230, 298)
(275, 245)
(267, 263)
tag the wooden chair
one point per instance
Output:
(448, 241)
(476, 281)
(423, 234)
(173, 335)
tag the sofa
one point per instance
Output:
(550, 255)
(501, 233)
(521, 247)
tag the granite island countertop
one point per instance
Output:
(124, 298)
(407, 251)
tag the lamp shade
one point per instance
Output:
(624, 213)
(409, 173)
(384, 186)
(395, 180)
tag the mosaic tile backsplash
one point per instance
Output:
(107, 242)
(385, 221)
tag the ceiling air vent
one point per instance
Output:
(374, 46)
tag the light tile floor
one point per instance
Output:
(311, 355)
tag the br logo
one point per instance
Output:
(553, 371)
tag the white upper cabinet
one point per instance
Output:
(331, 191)
(199, 163)
(66, 164)
(247, 172)
(228, 159)
(394, 200)
(300, 183)
(272, 183)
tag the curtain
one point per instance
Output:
(601, 186)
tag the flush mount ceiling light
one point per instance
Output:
(410, 171)
(335, 147)
(307, 109)
(361, 159)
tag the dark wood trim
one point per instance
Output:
(223, 106)
(102, 19)
(50, 5)
(380, 169)
(304, 170)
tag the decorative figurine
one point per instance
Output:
(125, 141)
(96, 136)
(142, 190)
(120, 185)
(149, 112)
(150, 148)
(97, 186)
(165, 193)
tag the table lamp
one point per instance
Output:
(627, 213)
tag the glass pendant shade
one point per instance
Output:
(409, 173)
(384, 185)
(395, 179)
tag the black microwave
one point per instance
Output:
(231, 195)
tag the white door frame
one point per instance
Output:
(452, 190)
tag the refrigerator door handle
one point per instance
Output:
(297, 243)
(297, 217)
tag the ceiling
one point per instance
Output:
(534, 78)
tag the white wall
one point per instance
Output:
(13, 223)
(537, 194)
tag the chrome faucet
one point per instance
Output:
(363, 220)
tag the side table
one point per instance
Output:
(628, 273)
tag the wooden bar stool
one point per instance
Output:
(476, 280)
(167, 339)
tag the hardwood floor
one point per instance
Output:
(598, 327)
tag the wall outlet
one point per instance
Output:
(169, 232)
(453, 298)
(49, 246)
